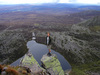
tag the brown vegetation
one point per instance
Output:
(11, 71)
(1, 68)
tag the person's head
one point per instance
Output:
(48, 34)
(49, 50)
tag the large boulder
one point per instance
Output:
(52, 65)
(31, 64)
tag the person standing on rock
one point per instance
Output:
(48, 42)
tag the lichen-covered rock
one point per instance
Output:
(52, 65)
(29, 62)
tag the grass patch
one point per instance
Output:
(83, 69)
(95, 28)
(76, 71)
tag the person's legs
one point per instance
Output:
(49, 53)
(49, 48)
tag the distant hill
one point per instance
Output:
(91, 7)
(46, 16)
(79, 17)
(56, 9)
(92, 22)
(43, 18)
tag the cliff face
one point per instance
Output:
(12, 45)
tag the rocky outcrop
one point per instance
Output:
(30, 63)
(52, 65)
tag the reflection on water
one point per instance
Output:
(38, 50)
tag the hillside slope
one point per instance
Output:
(80, 46)
(12, 45)
(81, 41)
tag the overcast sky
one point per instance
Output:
(48, 1)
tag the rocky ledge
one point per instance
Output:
(29, 66)
(50, 65)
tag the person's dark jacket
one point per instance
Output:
(49, 40)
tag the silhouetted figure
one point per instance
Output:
(28, 70)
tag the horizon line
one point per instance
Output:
(49, 3)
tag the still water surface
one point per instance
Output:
(38, 50)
